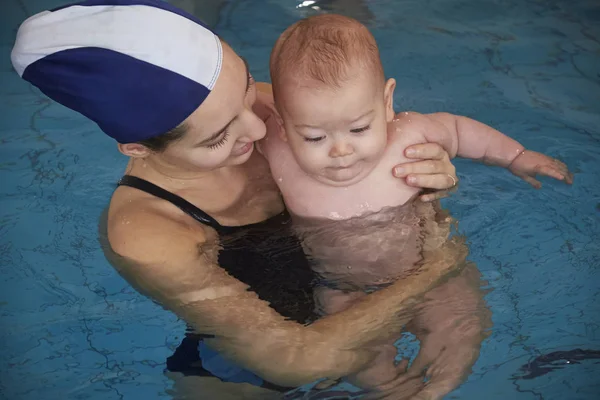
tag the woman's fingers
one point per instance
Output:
(423, 167)
(432, 181)
(431, 151)
(429, 197)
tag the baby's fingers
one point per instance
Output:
(564, 170)
(568, 175)
(531, 180)
(551, 171)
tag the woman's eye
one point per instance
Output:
(220, 143)
(251, 82)
(360, 130)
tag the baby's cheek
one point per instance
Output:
(310, 159)
(373, 151)
(379, 146)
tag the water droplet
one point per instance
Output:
(335, 215)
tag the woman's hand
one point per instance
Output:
(431, 170)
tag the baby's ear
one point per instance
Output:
(280, 125)
(275, 125)
(388, 96)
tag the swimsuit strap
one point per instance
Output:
(180, 202)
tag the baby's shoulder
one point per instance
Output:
(409, 119)
(408, 128)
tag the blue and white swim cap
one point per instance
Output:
(138, 68)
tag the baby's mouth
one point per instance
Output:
(340, 167)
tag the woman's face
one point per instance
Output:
(222, 131)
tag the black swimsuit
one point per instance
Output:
(266, 256)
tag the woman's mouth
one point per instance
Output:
(243, 150)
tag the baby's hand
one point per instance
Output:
(530, 163)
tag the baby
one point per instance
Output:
(339, 137)
(333, 142)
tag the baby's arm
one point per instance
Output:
(468, 138)
(474, 140)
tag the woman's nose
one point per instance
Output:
(255, 128)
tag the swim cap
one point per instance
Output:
(138, 68)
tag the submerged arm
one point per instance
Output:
(177, 268)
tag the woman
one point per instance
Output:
(197, 221)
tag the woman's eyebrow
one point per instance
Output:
(247, 74)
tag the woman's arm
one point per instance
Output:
(175, 265)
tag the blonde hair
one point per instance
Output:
(323, 48)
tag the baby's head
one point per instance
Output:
(332, 96)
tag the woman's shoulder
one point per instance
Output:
(144, 228)
(158, 253)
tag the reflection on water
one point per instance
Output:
(546, 363)
(208, 11)
(356, 9)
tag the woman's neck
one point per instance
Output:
(158, 172)
(215, 191)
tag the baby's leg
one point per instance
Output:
(382, 369)
(450, 324)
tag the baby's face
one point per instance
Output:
(337, 135)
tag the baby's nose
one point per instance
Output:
(340, 149)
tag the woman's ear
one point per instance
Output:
(134, 150)
(388, 96)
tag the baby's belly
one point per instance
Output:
(371, 250)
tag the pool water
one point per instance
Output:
(72, 328)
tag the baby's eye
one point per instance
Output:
(315, 139)
(360, 130)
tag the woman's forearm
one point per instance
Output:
(290, 354)
(375, 317)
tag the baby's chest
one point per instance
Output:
(375, 192)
